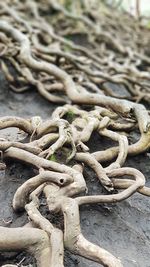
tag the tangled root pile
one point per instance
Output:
(37, 53)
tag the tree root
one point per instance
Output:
(35, 241)
(64, 72)
(61, 182)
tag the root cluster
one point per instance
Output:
(34, 44)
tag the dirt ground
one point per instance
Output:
(123, 228)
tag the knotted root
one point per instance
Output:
(55, 234)
(45, 176)
(60, 182)
(64, 72)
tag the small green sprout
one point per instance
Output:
(70, 116)
(53, 158)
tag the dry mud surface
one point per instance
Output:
(123, 228)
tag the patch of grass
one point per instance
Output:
(53, 158)
(68, 5)
(70, 116)
(67, 48)
(148, 25)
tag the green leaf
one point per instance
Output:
(53, 158)
(67, 48)
(148, 24)
(68, 5)
(70, 116)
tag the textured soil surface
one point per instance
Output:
(123, 228)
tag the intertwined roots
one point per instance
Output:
(65, 72)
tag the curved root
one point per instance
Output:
(64, 72)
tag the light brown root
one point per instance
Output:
(125, 183)
(139, 183)
(22, 193)
(96, 166)
(34, 56)
(55, 235)
(35, 241)
(75, 241)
